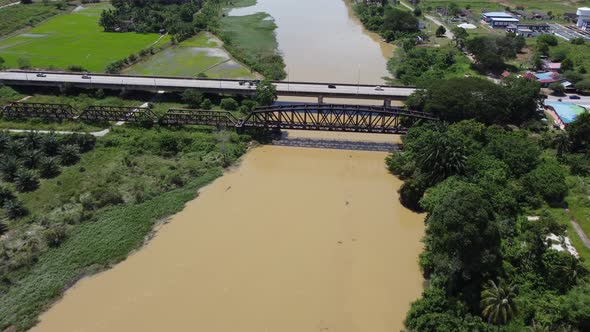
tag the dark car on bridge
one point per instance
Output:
(331, 86)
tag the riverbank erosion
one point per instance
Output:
(293, 240)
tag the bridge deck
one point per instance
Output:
(304, 89)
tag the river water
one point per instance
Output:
(291, 240)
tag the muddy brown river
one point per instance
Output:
(290, 240)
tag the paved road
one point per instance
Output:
(583, 101)
(218, 86)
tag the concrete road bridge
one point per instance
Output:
(219, 86)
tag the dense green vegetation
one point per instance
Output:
(491, 52)
(176, 17)
(420, 65)
(73, 39)
(487, 265)
(17, 17)
(515, 101)
(390, 22)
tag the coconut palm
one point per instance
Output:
(497, 301)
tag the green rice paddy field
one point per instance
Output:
(73, 39)
(202, 54)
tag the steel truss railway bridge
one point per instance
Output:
(321, 117)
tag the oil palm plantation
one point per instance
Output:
(497, 302)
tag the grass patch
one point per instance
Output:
(252, 40)
(73, 39)
(201, 54)
(21, 16)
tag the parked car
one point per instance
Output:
(378, 88)
(574, 97)
(331, 86)
(41, 75)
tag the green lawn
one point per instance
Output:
(20, 16)
(73, 39)
(202, 54)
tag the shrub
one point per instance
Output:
(229, 104)
(15, 209)
(55, 235)
(192, 97)
(26, 180)
(23, 63)
(206, 104)
(69, 154)
(76, 68)
(100, 197)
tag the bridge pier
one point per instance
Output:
(387, 103)
(320, 99)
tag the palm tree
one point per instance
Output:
(49, 167)
(497, 301)
(441, 157)
(32, 158)
(32, 140)
(69, 154)
(8, 167)
(50, 144)
(26, 180)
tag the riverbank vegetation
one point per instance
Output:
(251, 39)
(388, 21)
(418, 66)
(74, 204)
(488, 266)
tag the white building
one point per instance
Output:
(583, 17)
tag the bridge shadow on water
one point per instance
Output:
(334, 143)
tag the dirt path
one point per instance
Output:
(10, 4)
(578, 229)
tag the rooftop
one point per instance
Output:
(498, 14)
(504, 19)
(567, 112)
